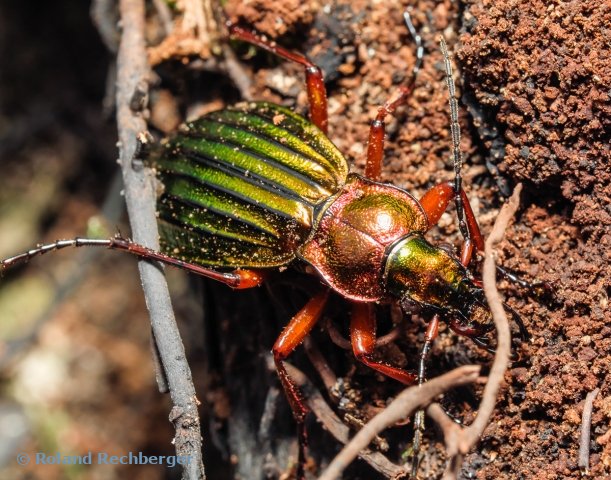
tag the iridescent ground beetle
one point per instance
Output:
(255, 187)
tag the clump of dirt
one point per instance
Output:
(284, 17)
(543, 70)
(541, 77)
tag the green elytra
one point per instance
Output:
(241, 186)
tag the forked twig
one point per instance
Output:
(336, 427)
(459, 442)
(402, 407)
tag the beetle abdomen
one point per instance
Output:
(241, 184)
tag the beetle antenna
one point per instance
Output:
(117, 242)
(455, 130)
(419, 47)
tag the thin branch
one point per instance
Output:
(401, 408)
(458, 442)
(448, 426)
(104, 16)
(194, 33)
(320, 364)
(586, 423)
(451, 434)
(199, 18)
(132, 90)
(503, 348)
(237, 72)
(165, 15)
(160, 375)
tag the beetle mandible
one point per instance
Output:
(255, 187)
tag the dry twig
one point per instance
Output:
(165, 15)
(198, 17)
(132, 90)
(458, 443)
(320, 364)
(237, 73)
(458, 440)
(402, 407)
(586, 423)
(104, 16)
(193, 35)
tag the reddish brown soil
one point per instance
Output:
(540, 72)
(543, 70)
